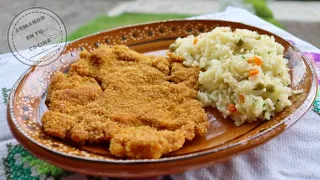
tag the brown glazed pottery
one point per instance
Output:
(223, 140)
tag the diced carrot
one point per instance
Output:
(256, 60)
(253, 72)
(232, 108)
(195, 41)
(241, 98)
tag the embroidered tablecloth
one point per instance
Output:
(292, 155)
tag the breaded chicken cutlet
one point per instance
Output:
(145, 106)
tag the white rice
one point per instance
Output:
(223, 58)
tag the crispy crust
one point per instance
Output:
(145, 106)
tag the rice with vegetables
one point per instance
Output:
(243, 74)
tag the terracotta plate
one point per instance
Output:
(224, 139)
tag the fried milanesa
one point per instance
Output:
(145, 106)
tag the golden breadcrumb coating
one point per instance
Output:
(144, 106)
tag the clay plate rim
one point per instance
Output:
(262, 136)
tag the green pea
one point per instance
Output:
(259, 86)
(270, 88)
(240, 42)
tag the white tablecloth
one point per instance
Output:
(293, 155)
